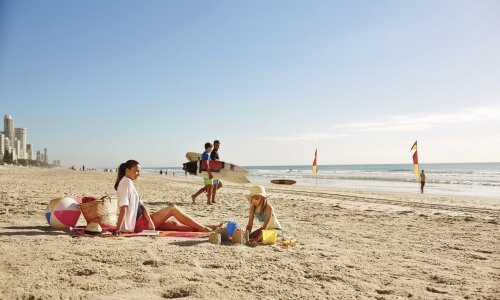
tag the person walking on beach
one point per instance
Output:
(263, 211)
(216, 183)
(133, 215)
(214, 155)
(422, 181)
(206, 181)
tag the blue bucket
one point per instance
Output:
(231, 227)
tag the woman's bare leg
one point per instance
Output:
(162, 215)
(172, 225)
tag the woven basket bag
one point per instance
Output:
(103, 211)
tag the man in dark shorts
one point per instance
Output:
(214, 155)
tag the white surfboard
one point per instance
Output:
(219, 169)
(241, 179)
(193, 156)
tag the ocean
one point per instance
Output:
(471, 179)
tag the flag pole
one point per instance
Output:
(415, 160)
(314, 167)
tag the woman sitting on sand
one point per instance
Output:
(134, 217)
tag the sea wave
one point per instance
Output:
(369, 177)
(469, 179)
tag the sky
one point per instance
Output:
(100, 82)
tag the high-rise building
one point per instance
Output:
(17, 147)
(8, 127)
(7, 144)
(14, 154)
(15, 142)
(29, 151)
(21, 136)
(2, 145)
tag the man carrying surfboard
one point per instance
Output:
(207, 181)
(214, 155)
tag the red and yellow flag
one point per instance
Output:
(414, 147)
(314, 163)
(415, 159)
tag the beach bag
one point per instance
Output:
(103, 211)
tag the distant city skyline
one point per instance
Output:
(14, 140)
(98, 82)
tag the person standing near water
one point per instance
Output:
(422, 181)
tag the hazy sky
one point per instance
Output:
(99, 82)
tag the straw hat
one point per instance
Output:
(257, 190)
(93, 228)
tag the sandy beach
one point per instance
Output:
(352, 244)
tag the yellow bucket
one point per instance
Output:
(269, 236)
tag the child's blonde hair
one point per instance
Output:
(258, 190)
(262, 204)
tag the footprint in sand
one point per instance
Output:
(477, 256)
(152, 263)
(85, 272)
(383, 292)
(176, 293)
(434, 290)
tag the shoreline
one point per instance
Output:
(352, 243)
(376, 183)
(431, 188)
(473, 179)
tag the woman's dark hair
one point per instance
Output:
(129, 164)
